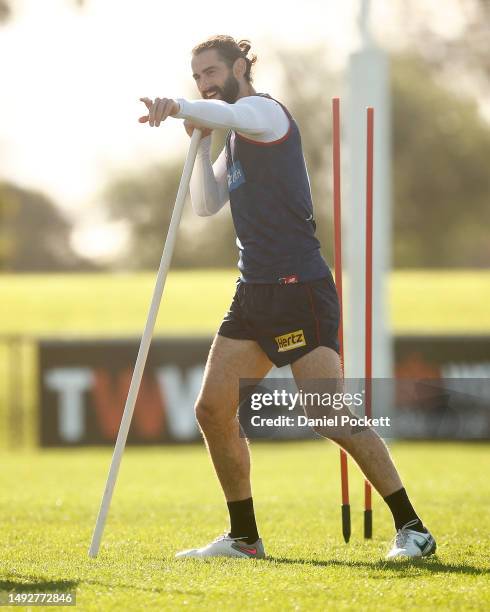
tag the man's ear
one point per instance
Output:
(239, 68)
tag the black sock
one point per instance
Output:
(403, 512)
(242, 520)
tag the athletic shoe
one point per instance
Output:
(226, 546)
(410, 543)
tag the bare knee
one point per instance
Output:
(209, 415)
(204, 413)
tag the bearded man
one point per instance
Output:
(285, 290)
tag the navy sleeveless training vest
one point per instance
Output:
(272, 209)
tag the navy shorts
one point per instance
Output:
(287, 321)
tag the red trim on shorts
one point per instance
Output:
(312, 304)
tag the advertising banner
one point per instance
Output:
(84, 385)
(441, 391)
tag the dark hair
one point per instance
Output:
(229, 50)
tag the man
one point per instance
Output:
(285, 286)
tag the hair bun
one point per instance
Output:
(229, 51)
(245, 46)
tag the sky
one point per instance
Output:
(71, 83)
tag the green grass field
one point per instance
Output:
(195, 301)
(114, 305)
(167, 499)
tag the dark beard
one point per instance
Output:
(229, 91)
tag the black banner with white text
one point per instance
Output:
(83, 386)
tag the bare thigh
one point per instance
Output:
(228, 361)
(320, 363)
(320, 372)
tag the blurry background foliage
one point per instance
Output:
(441, 183)
(441, 151)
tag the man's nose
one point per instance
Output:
(204, 85)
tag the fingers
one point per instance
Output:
(153, 110)
(159, 110)
(147, 102)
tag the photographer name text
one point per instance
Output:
(302, 420)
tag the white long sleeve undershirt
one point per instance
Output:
(209, 183)
(258, 117)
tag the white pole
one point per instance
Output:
(368, 86)
(145, 344)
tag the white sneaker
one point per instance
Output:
(226, 546)
(410, 543)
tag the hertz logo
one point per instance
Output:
(290, 341)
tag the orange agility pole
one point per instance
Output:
(368, 511)
(344, 473)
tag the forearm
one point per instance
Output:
(209, 192)
(216, 114)
(259, 117)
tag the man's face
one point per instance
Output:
(214, 79)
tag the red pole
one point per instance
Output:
(344, 473)
(368, 512)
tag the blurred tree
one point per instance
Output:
(5, 11)
(145, 201)
(450, 55)
(6, 8)
(13, 252)
(440, 166)
(441, 179)
(35, 236)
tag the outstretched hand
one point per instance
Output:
(161, 108)
(158, 110)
